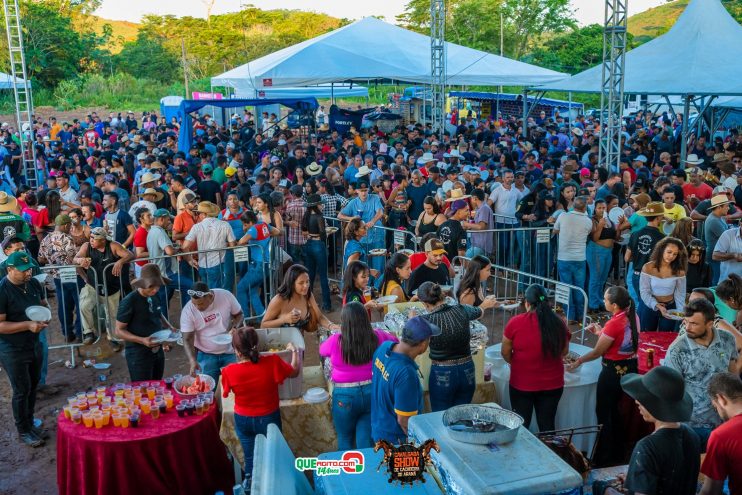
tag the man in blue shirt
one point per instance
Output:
(396, 390)
(368, 208)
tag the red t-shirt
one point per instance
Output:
(417, 259)
(619, 330)
(723, 454)
(701, 192)
(530, 369)
(91, 137)
(140, 240)
(255, 385)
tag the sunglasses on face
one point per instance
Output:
(197, 294)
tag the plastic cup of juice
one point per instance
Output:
(155, 411)
(124, 420)
(98, 420)
(199, 405)
(162, 406)
(106, 418)
(169, 401)
(101, 390)
(67, 413)
(81, 395)
(180, 408)
(169, 383)
(151, 393)
(87, 419)
(134, 420)
(116, 419)
(72, 400)
(76, 416)
(145, 406)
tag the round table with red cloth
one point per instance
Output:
(168, 455)
(659, 342)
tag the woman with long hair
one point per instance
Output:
(315, 250)
(396, 273)
(699, 272)
(355, 285)
(662, 286)
(294, 304)
(729, 291)
(353, 250)
(478, 270)
(79, 232)
(452, 380)
(351, 352)
(430, 218)
(254, 379)
(45, 221)
(683, 230)
(617, 343)
(264, 209)
(534, 343)
(566, 196)
(599, 254)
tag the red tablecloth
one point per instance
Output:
(659, 341)
(168, 455)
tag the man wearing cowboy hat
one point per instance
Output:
(714, 226)
(668, 460)
(642, 242)
(451, 232)
(139, 316)
(12, 225)
(696, 188)
(370, 210)
(213, 235)
(149, 197)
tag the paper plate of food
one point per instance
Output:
(377, 252)
(331, 230)
(384, 300)
(675, 314)
(509, 304)
(570, 358)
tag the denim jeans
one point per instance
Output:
(505, 245)
(212, 364)
(599, 260)
(143, 364)
(315, 252)
(715, 272)
(68, 308)
(166, 292)
(573, 273)
(631, 285)
(351, 415)
(651, 320)
(248, 290)
(247, 428)
(296, 251)
(230, 269)
(213, 276)
(451, 385)
(23, 367)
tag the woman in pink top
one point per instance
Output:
(350, 353)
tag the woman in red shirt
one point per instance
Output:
(617, 344)
(254, 379)
(534, 344)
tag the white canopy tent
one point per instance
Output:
(694, 58)
(6, 81)
(371, 49)
(321, 91)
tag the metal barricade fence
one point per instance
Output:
(510, 284)
(528, 249)
(252, 281)
(393, 240)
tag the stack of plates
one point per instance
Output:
(316, 395)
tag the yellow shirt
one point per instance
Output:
(675, 213)
(390, 286)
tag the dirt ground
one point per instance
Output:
(68, 115)
(24, 470)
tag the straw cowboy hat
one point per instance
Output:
(150, 277)
(662, 392)
(363, 171)
(693, 159)
(8, 203)
(148, 177)
(577, 131)
(154, 192)
(209, 208)
(642, 200)
(719, 200)
(313, 169)
(653, 209)
(457, 194)
(426, 158)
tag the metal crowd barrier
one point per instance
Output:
(529, 249)
(226, 273)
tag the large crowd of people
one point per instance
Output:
(141, 220)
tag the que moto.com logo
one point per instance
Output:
(350, 463)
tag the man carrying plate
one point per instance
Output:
(206, 322)
(138, 318)
(20, 349)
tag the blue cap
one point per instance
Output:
(418, 329)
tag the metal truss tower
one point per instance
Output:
(438, 63)
(21, 89)
(611, 97)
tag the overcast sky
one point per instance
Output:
(587, 11)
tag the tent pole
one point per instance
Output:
(332, 93)
(569, 115)
(684, 134)
(525, 113)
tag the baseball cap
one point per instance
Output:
(418, 329)
(189, 197)
(20, 260)
(161, 212)
(275, 159)
(435, 246)
(85, 194)
(457, 205)
(230, 171)
(207, 169)
(284, 183)
(99, 233)
(62, 220)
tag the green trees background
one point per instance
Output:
(75, 59)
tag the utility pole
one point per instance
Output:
(438, 63)
(611, 96)
(185, 67)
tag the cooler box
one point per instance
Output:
(370, 480)
(273, 468)
(291, 387)
(524, 466)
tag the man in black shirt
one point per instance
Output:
(139, 316)
(641, 244)
(451, 233)
(668, 460)
(209, 189)
(433, 270)
(21, 353)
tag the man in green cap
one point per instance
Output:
(21, 352)
(58, 249)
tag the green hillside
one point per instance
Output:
(657, 21)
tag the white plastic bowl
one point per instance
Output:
(38, 313)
